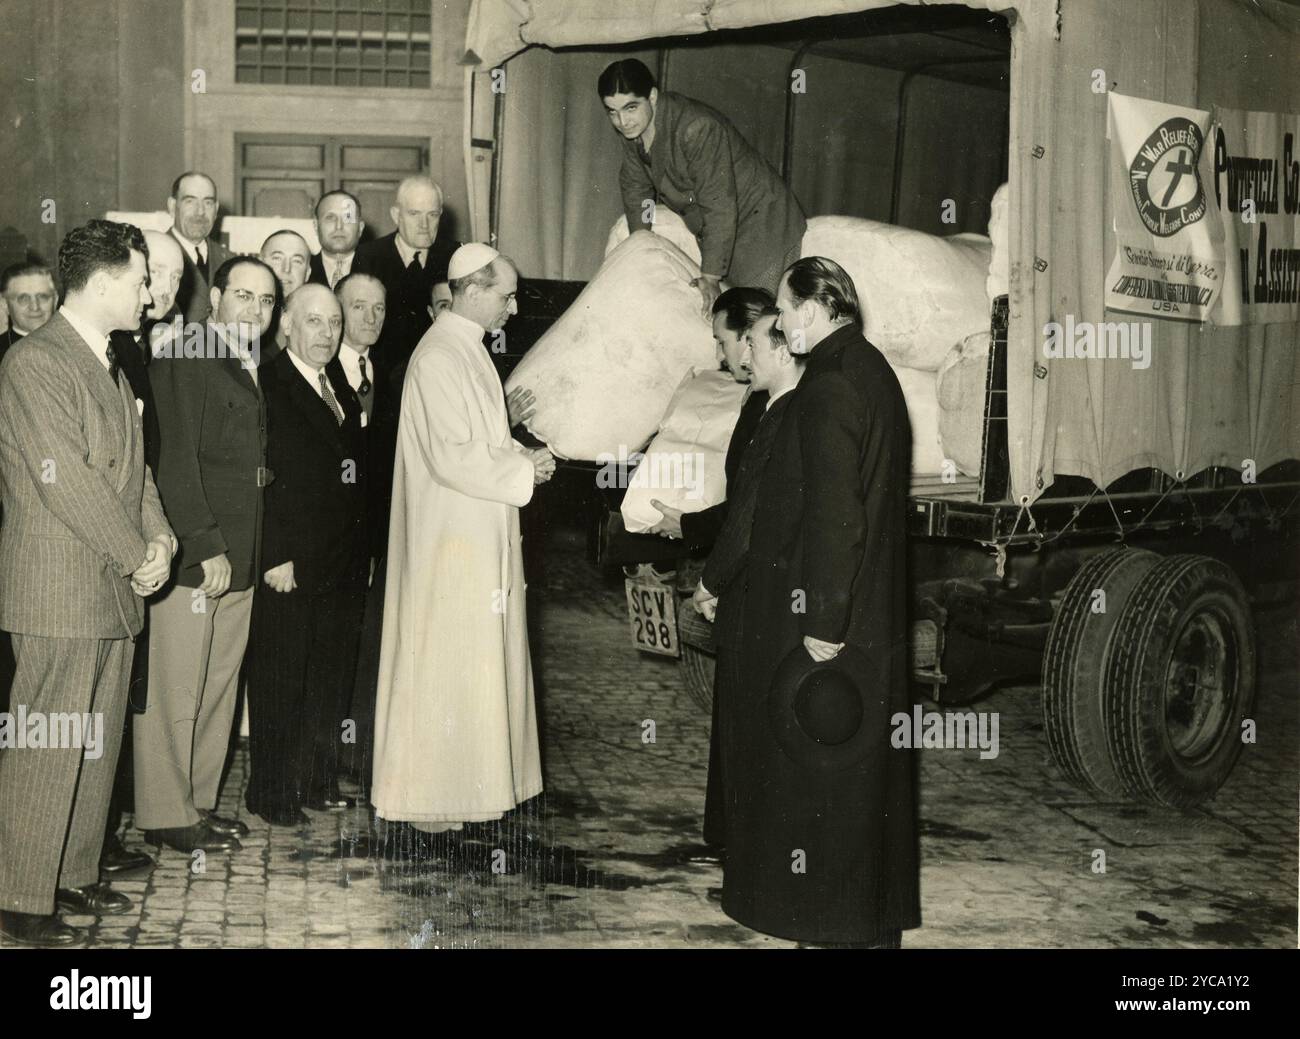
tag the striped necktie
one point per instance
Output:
(328, 395)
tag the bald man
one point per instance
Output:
(289, 256)
(315, 563)
(409, 262)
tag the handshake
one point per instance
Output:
(152, 574)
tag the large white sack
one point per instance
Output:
(919, 292)
(999, 279)
(685, 464)
(604, 372)
(666, 224)
(960, 384)
(923, 415)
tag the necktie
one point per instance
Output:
(365, 391)
(336, 274)
(113, 366)
(203, 261)
(328, 396)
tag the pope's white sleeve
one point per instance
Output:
(435, 413)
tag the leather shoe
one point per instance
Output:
(116, 859)
(92, 900)
(45, 931)
(226, 827)
(189, 839)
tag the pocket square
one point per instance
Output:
(139, 406)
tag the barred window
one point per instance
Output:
(337, 43)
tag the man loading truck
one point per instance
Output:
(682, 153)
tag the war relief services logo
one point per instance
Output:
(1163, 178)
(1168, 259)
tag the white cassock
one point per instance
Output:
(455, 725)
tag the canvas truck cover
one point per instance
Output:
(1211, 393)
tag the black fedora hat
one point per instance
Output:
(818, 710)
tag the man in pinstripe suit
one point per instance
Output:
(83, 541)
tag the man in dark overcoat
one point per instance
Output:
(822, 845)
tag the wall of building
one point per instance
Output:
(97, 110)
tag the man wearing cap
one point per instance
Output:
(821, 819)
(455, 727)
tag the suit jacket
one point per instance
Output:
(379, 439)
(700, 529)
(733, 201)
(725, 568)
(408, 292)
(212, 433)
(134, 357)
(317, 274)
(7, 339)
(79, 503)
(315, 513)
(192, 296)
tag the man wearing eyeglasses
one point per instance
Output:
(211, 475)
(29, 295)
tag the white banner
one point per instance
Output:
(1256, 185)
(1169, 257)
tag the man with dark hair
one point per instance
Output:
(685, 155)
(211, 474)
(84, 539)
(338, 229)
(134, 353)
(409, 262)
(810, 767)
(193, 207)
(315, 562)
(29, 295)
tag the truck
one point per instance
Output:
(1126, 528)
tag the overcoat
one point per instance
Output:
(455, 725)
(814, 853)
(748, 222)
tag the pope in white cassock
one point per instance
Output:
(455, 725)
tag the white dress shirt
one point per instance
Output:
(349, 358)
(408, 254)
(191, 250)
(773, 400)
(312, 375)
(341, 264)
(95, 339)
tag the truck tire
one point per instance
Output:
(1181, 682)
(1075, 665)
(698, 662)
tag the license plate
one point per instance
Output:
(652, 613)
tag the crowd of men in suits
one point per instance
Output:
(266, 479)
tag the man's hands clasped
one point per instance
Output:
(152, 574)
(543, 464)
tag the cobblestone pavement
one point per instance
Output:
(602, 858)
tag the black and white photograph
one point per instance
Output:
(629, 475)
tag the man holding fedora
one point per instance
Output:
(820, 820)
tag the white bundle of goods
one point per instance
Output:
(999, 279)
(667, 224)
(919, 292)
(604, 373)
(960, 384)
(685, 465)
(923, 416)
